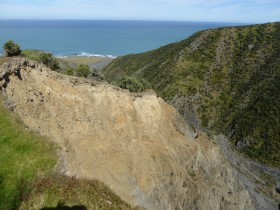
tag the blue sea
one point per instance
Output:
(96, 37)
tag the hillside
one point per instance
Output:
(30, 173)
(221, 80)
(16, 172)
(147, 156)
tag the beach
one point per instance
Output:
(97, 62)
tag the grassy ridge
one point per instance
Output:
(230, 76)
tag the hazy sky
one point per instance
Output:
(189, 10)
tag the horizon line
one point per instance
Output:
(140, 20)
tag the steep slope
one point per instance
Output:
(27, 173)
(136, 144)
(224, 80)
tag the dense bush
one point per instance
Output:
(49, 60)
(69, 71)
(133, 84)
(82, 70)
(11, 48)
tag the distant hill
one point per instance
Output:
(221, 80)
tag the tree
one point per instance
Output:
(11, 48)
(83, 70)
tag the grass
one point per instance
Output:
(85, 60)
(32, 54)
(23, 157)
(52, 189)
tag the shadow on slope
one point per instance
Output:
(61, 206)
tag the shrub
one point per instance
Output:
(133, 84)
(11, 48)
(49, 60)
(70, 71)
(83, 70)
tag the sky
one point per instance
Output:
(236, 11)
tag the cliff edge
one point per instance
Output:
(138, 145)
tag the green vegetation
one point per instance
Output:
(82, 70)
(49, 60)
(11, 48)
(28, 179)
(228, 76)
(69, 71)
(153, 66)
(32, 54)
(61, 66)
(133, 84)
(56, 64)
(44, 57)
(52, 189)
(23, 156)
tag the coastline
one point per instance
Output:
(85, 54)
(93, 61)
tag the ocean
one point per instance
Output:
(96, 37)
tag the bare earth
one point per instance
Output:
(138, 145)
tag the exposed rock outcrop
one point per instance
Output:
(136, 144)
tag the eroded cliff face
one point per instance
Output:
(136, 144)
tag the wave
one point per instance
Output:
(85, 54)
